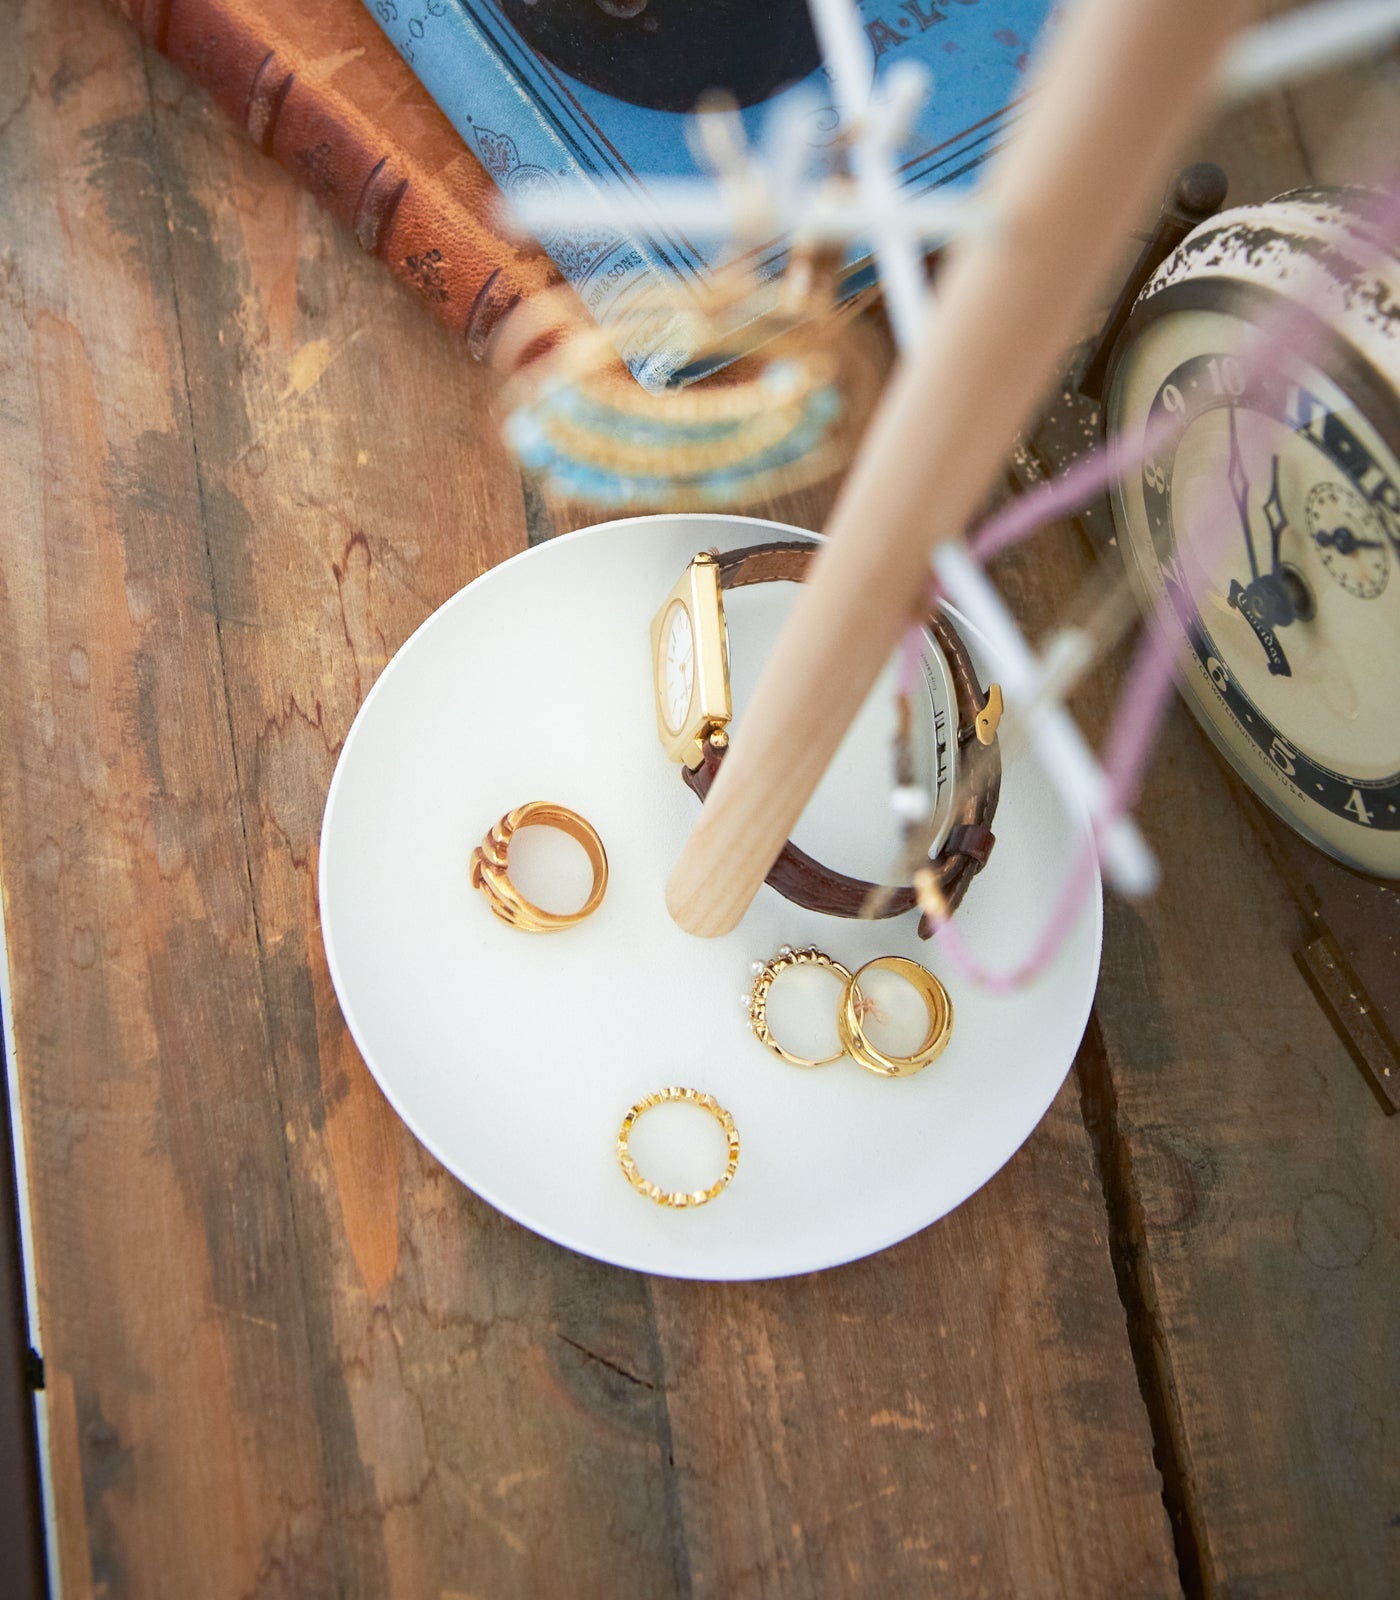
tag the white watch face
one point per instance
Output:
(677, 666)
(1290, 610)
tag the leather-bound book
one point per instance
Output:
(320, 89)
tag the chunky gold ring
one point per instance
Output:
(490, 867)
(850, 1019)
(680, 1198)
(756, 1002)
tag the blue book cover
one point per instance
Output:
(551, 90)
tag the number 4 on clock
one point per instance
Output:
(1358, 808)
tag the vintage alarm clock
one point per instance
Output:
(1290, 618)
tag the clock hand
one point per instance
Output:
(1280, 596)
(1344, 541)
(1239, 487)
(1276, 517)
(1257, 602)
(1254, 607)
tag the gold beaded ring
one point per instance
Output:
(766, 974)
(681, 1199)
(490, 867)
(850, 1019)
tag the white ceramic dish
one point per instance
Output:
(514, 1057)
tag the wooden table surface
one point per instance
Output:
(286, 1353)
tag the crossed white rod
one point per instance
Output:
(883, 125)
(1306, 41)
(844, 53)
(705, 211)
(1127, 859)
(1116, 93)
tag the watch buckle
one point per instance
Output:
(988, 719)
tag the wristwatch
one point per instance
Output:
(690, 659)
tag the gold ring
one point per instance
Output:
(756, 1002)
(680, 1198)
(850, 1019)
(490, 867)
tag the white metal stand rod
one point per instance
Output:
(1119, 88)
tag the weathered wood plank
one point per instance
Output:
(490, 1408)
(956, 1416)
(1269, 1200)
(169, 1272)
(1254, 1194)
(482, 1412)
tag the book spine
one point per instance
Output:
(623, 282)
(318, 88)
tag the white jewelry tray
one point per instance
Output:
(514, 1057)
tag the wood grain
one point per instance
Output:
(288, 1354)
(247, 472)
(171, 1290)
(1269, 1198)
(477, 1386)
(950, 1418)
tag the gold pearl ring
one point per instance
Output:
(850, 1019)
(681, 1199)
(766, 973)
(490, 867)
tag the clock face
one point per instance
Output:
(676, 669)
(1268, 534)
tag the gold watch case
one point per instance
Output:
(709, 709)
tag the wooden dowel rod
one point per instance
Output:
(1119, 88)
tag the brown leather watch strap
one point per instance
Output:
(803, 880)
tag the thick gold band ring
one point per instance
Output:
(850, 1019)
(766, 974)
(680, 1198)
(490, 867)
